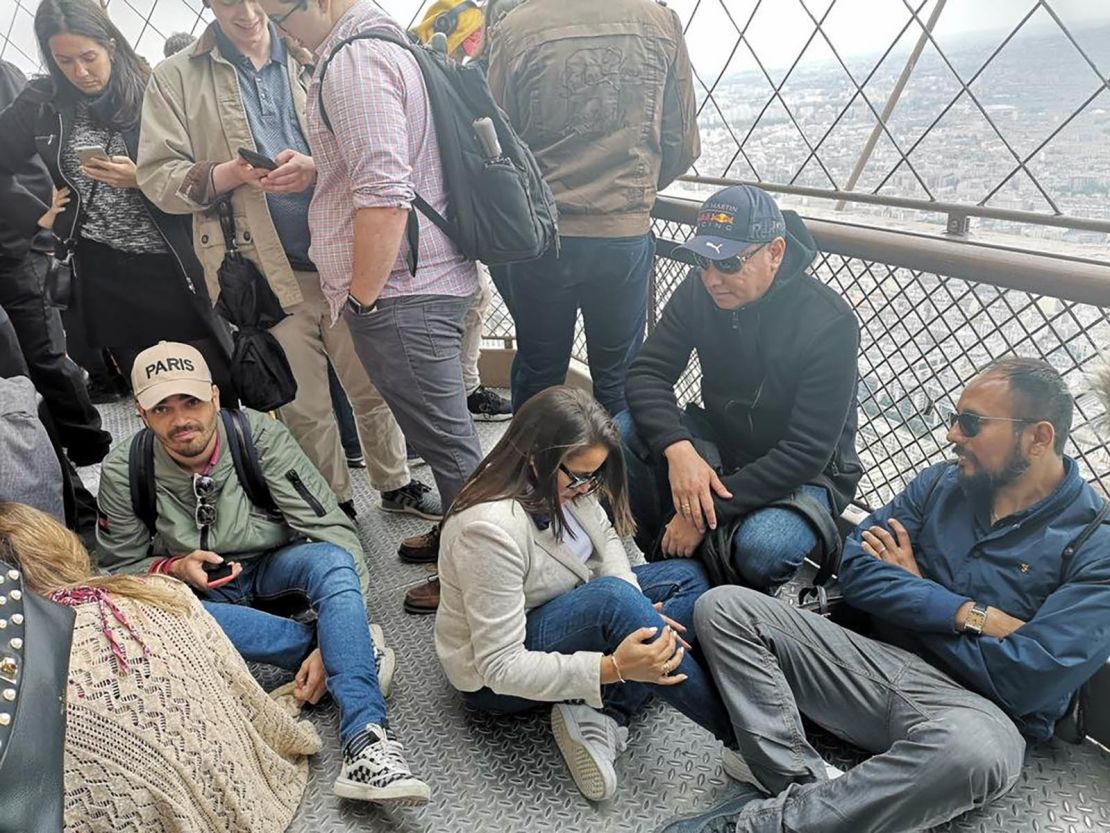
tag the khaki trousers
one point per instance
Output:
(309, 340)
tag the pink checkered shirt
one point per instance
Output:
(384, 149)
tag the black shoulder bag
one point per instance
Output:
(58, 283)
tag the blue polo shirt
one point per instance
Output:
(268, 102)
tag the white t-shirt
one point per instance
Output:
(575, 538)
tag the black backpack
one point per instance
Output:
(500, 210)
(140, 469)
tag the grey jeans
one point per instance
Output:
(411, 349)
(940, 749)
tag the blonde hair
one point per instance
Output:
(53, 558)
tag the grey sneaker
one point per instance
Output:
(590, 742)
(414, 499)
(374, 769)
(384, 659)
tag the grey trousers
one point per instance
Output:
(411, 349)
(940, 749)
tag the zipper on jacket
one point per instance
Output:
(735, 320)
(184, 273)
(73, 192)
(306, 495)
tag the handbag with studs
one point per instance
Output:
(35, 638)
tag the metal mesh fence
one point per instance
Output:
(922, 337)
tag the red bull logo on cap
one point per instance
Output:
(720, 218)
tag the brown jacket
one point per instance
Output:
(603, 94)
(193, 119)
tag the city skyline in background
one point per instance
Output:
(792, 103)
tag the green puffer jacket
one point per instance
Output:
(242, 531)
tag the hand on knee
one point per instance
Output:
(643, 658)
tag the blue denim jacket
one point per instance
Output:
(1019, 566)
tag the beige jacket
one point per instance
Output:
(603, 94)
(495, 565)
(193, 119)
(186, 741)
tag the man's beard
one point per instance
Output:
(986, 483)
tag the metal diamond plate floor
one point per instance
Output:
(506, 775)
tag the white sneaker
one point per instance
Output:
(384, 659)
(590, 742)
(374, 769)
(736, 768)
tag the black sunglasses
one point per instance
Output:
(204, 488)
(729, 265)
(971, 424)
(577, 481)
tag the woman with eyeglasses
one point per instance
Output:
(539, 603)
(137, 280)
(166, 729)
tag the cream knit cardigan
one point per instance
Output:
(186, 742)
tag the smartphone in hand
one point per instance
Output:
(87, 153)
(256, 159)
(215, 572)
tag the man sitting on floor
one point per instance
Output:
(205, 519)
(988, 584)
(772, 456)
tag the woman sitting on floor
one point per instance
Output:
(167, 731)
(540, 604)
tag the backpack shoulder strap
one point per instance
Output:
(369, 34)
(140, 475)
(244, 457)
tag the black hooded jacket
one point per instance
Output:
(30, 177)
(778, 382)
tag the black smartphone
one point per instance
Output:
(257, 159)
(215, 572)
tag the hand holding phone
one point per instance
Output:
(257, 160)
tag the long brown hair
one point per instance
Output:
(120, 105)
(553, 425)
(53, 558)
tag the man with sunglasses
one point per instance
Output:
(752, 479)
(305, 546)
(987, 582)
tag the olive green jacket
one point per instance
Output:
(242, 531)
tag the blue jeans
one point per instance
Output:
(607, 278)
(598, 615)
(768, 546)
(326, 575)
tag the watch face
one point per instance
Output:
(976, 618)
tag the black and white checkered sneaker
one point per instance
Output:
(374, 769)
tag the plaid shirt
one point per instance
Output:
(383, 150)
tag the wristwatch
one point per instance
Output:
(359, 308)
(976, 619)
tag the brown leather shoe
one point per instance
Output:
(424, 598)
(420, 549)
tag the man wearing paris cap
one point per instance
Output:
(769, 456)
(203, 515)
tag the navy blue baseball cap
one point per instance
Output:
(733, 219)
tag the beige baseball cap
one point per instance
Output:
(169, 368)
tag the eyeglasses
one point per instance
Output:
(729, 265)
(299, 6)
(204, 489)
(971, 423)
(577, 481)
